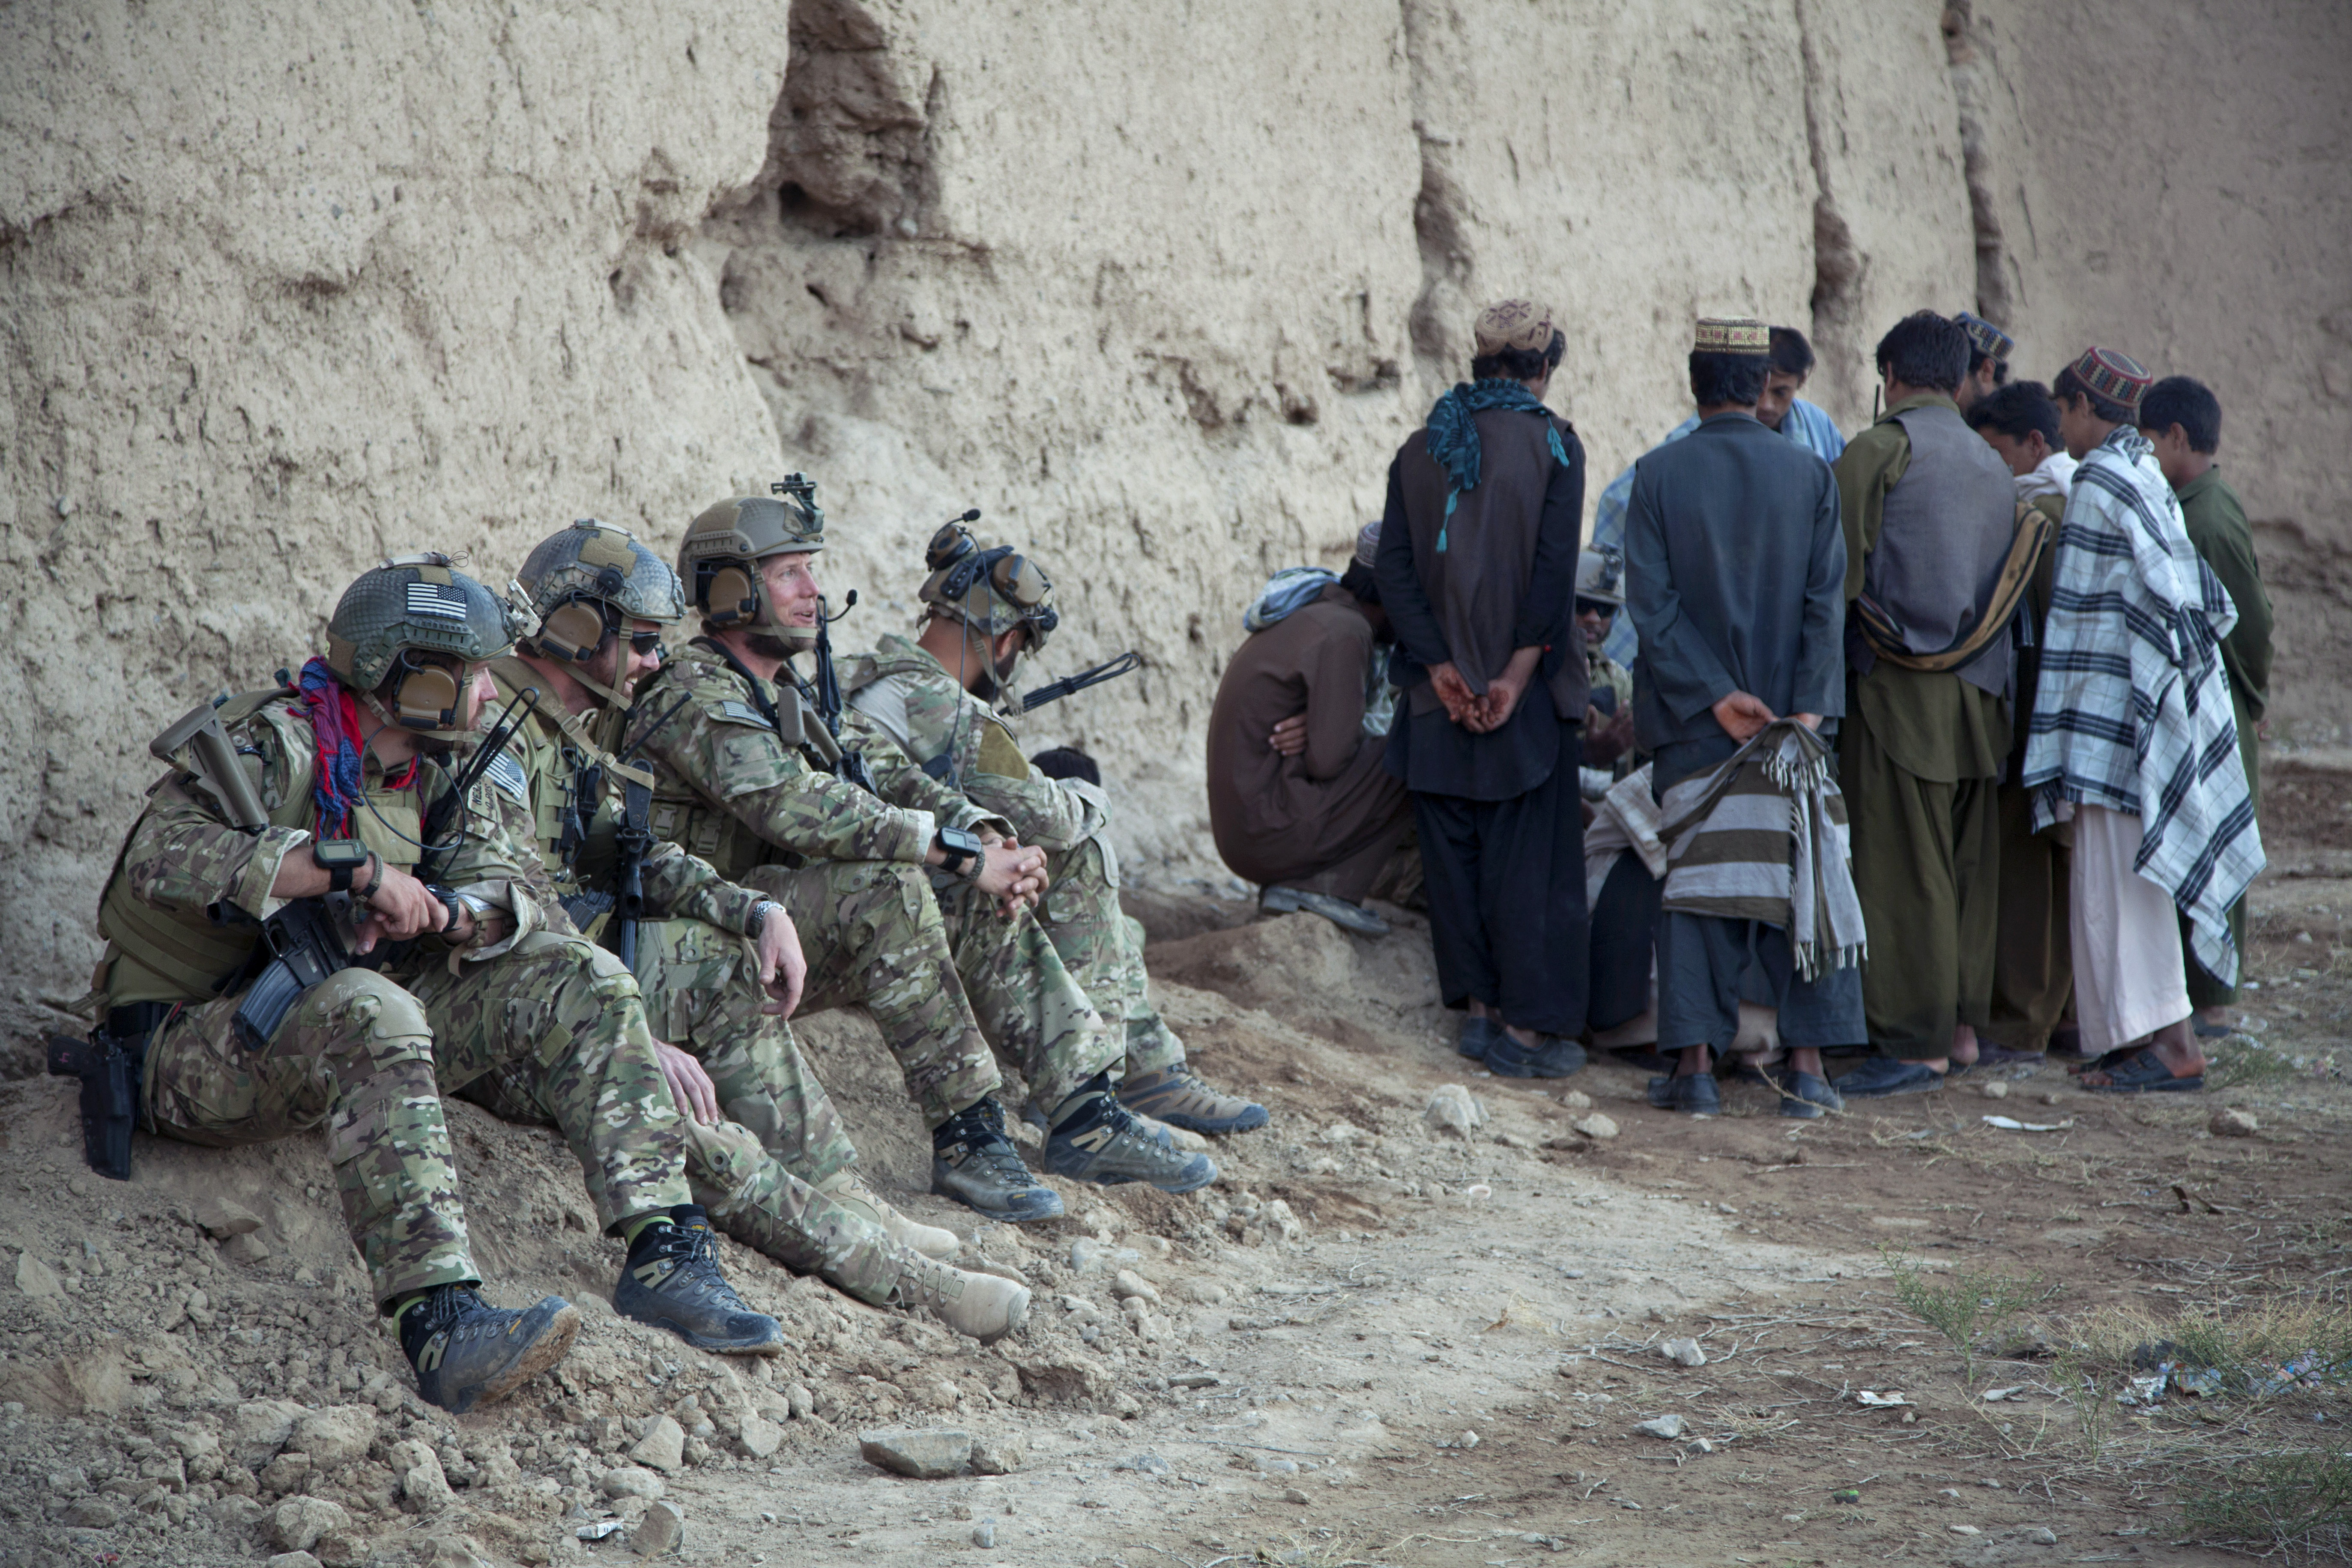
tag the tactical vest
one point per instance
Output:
(180, 955)
(543, 781)
(682, 816)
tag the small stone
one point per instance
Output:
(260, 1427)
(924, 1453)
(1467, 1440)
(1129, 1285)
(983, 1534)
(999, 1456)
(294, 1560)
(247, 1249)
(631, 1481)
(92, 1513)
(2049, 1098)
(1203, 1292)
(422, 1478)
(1292, 1494)
(1683, 1352)
(662, 1529)
(1452, 1113)
(286, 1473)
(661, 1444)
(760, 1437)
(296, 1524)
(1575, 1099)
(337, 1435)
(2043, 1535)
(799, 1401)
(222, 1218)
(1995, 1089)
(1964, 1530)
(2230, 1122)
(1595, 1126)
(1668, 1426)
(34, 1277)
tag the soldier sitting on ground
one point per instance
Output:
(719, 965)
(906, 896)
(983, 609)
(321, 800)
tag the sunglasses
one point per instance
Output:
(647, 642)
(1595, 608)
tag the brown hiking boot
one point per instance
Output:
(848, 1189)
(1179, 1098)
(985, 1307)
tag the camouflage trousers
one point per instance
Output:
(759, 1172)
(946, 978)
(366, 1057)
(1102, 947)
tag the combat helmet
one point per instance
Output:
(588, 583)
(1601, 576)
(417, 622)
(719, 559)
(991, 591)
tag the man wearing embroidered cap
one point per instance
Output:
(2134, 736)
(1778, 407)
(1298, 802)
(1930, 515)
(1988, 351)
(1477, 569)
(1733, 571)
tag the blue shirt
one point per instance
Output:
(1805, 425)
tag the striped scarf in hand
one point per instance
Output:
(1763, 837)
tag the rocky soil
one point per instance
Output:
(1425, 1318)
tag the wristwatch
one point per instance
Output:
(757, 921)
(450, 901)
(339, 858)
(964, 851)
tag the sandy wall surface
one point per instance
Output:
(1160, 291)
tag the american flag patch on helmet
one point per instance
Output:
(445, 600)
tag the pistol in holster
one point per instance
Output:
(109, 1064)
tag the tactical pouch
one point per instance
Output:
(110, 1096)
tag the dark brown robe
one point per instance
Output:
(1324, 820)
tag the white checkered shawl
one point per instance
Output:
(2133, 709)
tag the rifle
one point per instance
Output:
(435, 857)
(1055, 690)
(849, 764)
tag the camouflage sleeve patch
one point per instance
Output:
(1000, 754)
(733, 712)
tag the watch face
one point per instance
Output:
(333, 853)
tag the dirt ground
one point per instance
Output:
(1373, 1342)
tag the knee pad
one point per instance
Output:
(370, 1017)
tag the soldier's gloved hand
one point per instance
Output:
(783, 971)
(688, 1084)
(1013, 874)
(399, 910)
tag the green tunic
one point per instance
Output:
(1920, 757)
(2033, 970)
(2217, 526)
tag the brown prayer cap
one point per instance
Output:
(1513, 324)
(1732, 336)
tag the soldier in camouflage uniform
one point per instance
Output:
(721, 969)
(926, 693)
(320, 799)
(905, 895)
(1608, 736)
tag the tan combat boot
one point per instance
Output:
(850, 1191)
(987, 1307)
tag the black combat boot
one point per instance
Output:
(974, 1163)
(1097, 1138)
(671, 1280)
(466, 1351)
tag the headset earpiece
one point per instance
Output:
(951, 544)
(726, 592)
(426, 698)
(574, 631)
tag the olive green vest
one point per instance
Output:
(179, 955)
